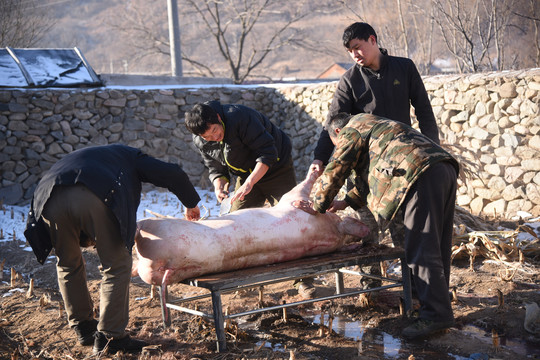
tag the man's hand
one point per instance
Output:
(256, 175)
(221, 195)
(337, 205)
(305, 205)
(221, 186)
(317, 167)
(193, 214)
(241, 192)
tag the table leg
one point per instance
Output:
(407, 290)
(218, 321)
(165, 313)
(339, 282)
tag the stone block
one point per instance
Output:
(508, 160)
(477, 133)
(513, 174)
(477, 205)
(515, 207)
(508, 90)
(495, 208)
(493, 169)
(534, 142)
(496, 183)
(512, 192)
(536, 178)
(531, 164)
(463, 200)
(511, 140)
(533, 193)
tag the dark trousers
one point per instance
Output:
(428, 216)
(75, 217)
(270, 187)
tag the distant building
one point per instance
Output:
(335, 71)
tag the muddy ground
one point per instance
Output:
(34, 327)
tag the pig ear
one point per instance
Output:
(354, 227)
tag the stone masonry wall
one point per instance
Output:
(490, 122)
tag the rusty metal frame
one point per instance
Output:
(218, 284)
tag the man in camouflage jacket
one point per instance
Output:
(395, 166)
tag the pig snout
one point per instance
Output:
(353, 227)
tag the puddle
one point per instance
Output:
(518, 346)
(378, 344)
(373, 342)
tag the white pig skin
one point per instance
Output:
(183, 249)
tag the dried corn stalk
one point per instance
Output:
(497, 245)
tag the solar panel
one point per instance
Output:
(45, 68)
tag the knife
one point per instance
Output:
(225, 207)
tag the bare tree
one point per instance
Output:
(242, 39)
(533, 16)
(405, 41)
(147, 35)
(412, 37)
(243, 33)
(466, 31)
(21, 25)
(423, 33)
(483, 34)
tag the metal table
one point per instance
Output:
(335, 262)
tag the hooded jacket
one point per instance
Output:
(249, 137)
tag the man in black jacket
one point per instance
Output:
(90, 198)
(238, 140)
(382, 85)
(377, 84)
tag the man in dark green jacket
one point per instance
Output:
(396, 167)
(238, 140)
(90, 198)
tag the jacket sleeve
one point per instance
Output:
(167, 175)
(338, 169)
(215, 168)
(324, 148)
(343, 101)
(422, 106)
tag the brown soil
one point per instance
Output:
(35, 327)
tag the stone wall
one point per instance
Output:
(489, 121)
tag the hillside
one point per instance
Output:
(131, 36)
(89, 26)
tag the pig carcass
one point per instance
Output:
(170, 250)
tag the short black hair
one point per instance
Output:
(338, 121)
(358, 30)
(200, 117)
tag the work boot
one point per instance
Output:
(112, 346)
(423, 327)
(85, 331)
